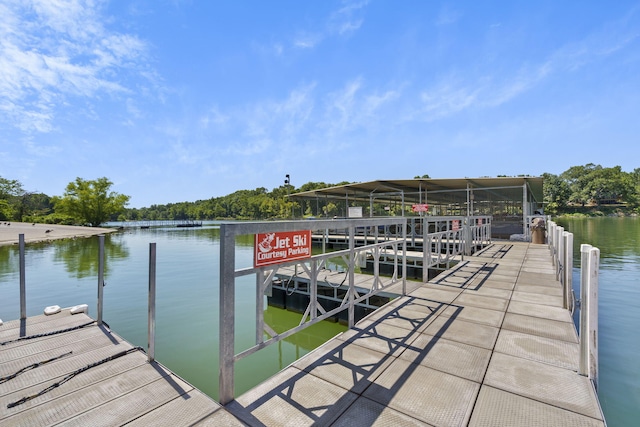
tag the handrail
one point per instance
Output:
(561, 247)
(312, 267)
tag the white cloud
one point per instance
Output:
(341, 22)
(51, 50)
(307, 40)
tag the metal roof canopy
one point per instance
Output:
(526, 190)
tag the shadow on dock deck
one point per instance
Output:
(486, 343)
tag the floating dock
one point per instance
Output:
(88, 375)
(485, 343)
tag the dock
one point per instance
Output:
(485, 343)
(87, 375)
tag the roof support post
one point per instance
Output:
(370, 205)
(468, 201)
(525, 208)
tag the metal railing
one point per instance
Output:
(23, 288)
(313, 267)
(561, 246)
(151, 326)
(451, 237)
(443, 244)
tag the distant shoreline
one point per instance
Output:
(34, 233)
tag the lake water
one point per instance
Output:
(64, 273)
(619, 311)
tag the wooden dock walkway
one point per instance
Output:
(486, 343)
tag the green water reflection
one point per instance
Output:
(619, 311)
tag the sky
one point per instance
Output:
(186, 100)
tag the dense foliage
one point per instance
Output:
(579, 188)
(258, 204)
(90, 201)
(592, 186)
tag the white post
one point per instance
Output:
(590, 257)
(594, 265)
(568, 268)
(551, 234)
(560, 253)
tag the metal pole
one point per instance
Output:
(352, 261)
(525, 210)
(23, 287)
(426, 250)
(404, 258)
(151, 332)
(313, 303)
(227, 313)
(100, 276)
(260, 276)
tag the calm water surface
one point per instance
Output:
(619, 311)
(64, 273)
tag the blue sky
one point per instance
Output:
(186, 100)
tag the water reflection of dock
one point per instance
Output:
(182, 223)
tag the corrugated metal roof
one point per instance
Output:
(500, 188)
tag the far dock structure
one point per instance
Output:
(489, 341)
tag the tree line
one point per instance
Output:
(91, 202)
(592, 186)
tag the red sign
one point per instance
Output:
(455, 224)
(422, 207)
(274, 248)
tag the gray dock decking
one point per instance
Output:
(486, 343)
(126, 390)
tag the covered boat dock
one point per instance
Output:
(509, 200)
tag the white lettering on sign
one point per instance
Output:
(277, 247)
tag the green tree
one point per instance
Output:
(556, 193)
(10, 192)
(90, 201)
